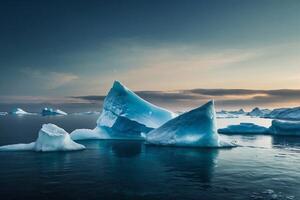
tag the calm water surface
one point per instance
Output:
(264, 167)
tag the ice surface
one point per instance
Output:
(3, 113)
(196, 128)
(225, 114)
(256, 112)
(50, 138)
(244, 128)
(51, 111)
(125, 116)
(88, 134)
(238, 112)
(19, 111)
(283, 127)
(285, 113)
(122, 102)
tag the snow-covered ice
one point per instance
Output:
(51, 111)
(285, 113)
(125, 115)
(244, 128)
(50, 138)
(283, 127)
(256, 112)
(225, 114)
(3, 113)
(196, 128)
(122, 102)
(19, 111)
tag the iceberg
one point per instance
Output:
(282, 127)
(244, 128)
(125, 115)
(3, 113)
(50, 138)
(239, 112)
(19, 111)
(285, 113)
(51, 111)
(256, 112)
(224, 114)
(196, 128)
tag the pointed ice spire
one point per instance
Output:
(121, 101)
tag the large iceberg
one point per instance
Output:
(256, 112)
(51, 111)
(244, 128)
(285, 113)
(50, 138)
(280, 127)
(125, 115)
(196, 128)
(19, 111)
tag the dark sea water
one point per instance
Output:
(264, 167)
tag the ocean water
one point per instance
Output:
(264, 167)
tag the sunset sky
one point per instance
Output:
(248, 50)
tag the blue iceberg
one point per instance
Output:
(125, 115)
(256, 112)
(196, 128)
(244, 128)
(285, 113)
(282, 127)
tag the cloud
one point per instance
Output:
(49, 79)
(233, 98)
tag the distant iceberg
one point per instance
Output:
(19, 111)
(280, 127)
(50, 138)
(256, 112)
(285, 113)
(51, 111)
(196, 128)
(238, 112)
(244, 128)
(125, 115)
(3, 113)
(224, 114)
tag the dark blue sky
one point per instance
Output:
(63, 48)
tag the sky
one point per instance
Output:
(54, 50)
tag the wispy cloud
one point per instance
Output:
(49, 79)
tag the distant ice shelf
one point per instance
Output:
(244, 128)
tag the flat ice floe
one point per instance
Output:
(125, 115)
(244, 128)
(51, 111)
(196, 128)
(50, 138)
(282, 127)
